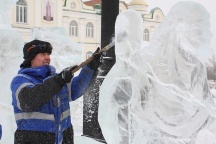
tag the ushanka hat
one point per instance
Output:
(32, 48)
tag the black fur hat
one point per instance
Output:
(32, 48)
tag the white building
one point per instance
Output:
(81, 20)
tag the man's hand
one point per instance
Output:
(65, 75)
(97, 60)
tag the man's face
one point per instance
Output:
(40, 60)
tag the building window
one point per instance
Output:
(89, 54)
(73, 29)
(89, 30)
(73, 5)
(21, 11)
(146, 35)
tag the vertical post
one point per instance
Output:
(91, 127)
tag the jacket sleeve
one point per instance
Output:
(30, 97)
(81, 82)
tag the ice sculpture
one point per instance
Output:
(122, 80)
(159, 94)
(11, 45)
(179, 100)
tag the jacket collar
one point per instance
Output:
(41, 71)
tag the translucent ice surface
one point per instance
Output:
(159, 94)
(11, 45)
(123, 80)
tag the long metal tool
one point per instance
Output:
(92, 57)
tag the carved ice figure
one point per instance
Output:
(158, 94)
(11, 44)
(123, 80)
(179, 101)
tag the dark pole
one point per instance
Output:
(91, 127)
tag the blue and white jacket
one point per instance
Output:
(53, 115)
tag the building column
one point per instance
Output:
(82, 30)
(38, 13)
(82, 34)
(59, 5)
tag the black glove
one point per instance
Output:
(65, 75)
(97, 60)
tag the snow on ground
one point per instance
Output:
(85, 140)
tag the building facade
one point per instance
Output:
(81, 20)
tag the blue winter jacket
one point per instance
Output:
(53, 116)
